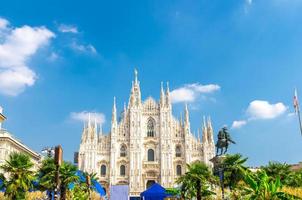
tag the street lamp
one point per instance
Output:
(49, 151)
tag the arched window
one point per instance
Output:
(123, 151)
(150, 127)
(122, 170)
(178, 170)
(103, 170)
(178, 151)
(150, 155)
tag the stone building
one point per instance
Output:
(148, 144)
(9, 144)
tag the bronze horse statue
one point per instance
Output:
(224, 139)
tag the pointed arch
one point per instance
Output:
(122, 170)
(150, 127)
(178, 170)
(150, 155)
(123, 150)
(178, 151)
(103, 170)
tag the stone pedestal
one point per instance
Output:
(217, 162)
(219, 170)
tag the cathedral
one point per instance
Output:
(146, 145)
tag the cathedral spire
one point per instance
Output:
(210, 131)
(187, 121)
(95, 125)
(168, 101)
(204, 136)
(101, 129)
(162, 94)
(135, 75)
(181, 122)
(89, 120)
(135, 96)
(125, 108)
(114, 111)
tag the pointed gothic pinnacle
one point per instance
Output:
(114, 103)
(89, 118)
(95, 124)
(162, 94)
(135, 75)
(198, 132)
(186, 114)
(180, 118)
(114, 111)
(204, 121)
(101, 129)
(168, 89)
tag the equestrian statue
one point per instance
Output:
(224, 139)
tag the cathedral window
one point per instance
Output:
(150, 155)
(151, 127)
(178, 170)
(178, 151)
(123, 151)
(122, 170)
(103, 170)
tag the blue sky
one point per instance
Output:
(235, 60)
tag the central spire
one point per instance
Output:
(135, 75)
(135, 96)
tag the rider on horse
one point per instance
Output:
(224, 139)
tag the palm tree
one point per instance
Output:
(234, 170)
(196, 181)
(67, 177)
(46, 176)
(20, 177)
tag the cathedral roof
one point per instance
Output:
(150, 104)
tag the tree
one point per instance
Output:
(196, 181)
(295, 179)
(234, 170)
(260, 186)
(46, 176)
(20, 176)
(67, 176)
(276, 169)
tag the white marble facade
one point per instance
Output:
(148, 144)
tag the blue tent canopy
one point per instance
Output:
(155, 192)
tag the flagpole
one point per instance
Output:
(297, 108)
(299, 117)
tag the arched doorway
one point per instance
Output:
(150, 183)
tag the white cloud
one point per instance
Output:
(190, 92)
(238, 124)
(3, 23)
(249, 2)
(17, 46)
(204, 88)
(182, 95)
(64, 28)
(84, 116)
(259, 109)
(83, 48)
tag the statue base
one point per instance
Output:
(218, 163)
(217, 160)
